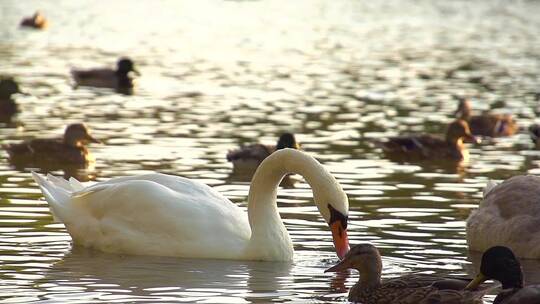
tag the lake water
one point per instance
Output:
(217, 74)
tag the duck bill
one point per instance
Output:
(479, 279)
(341, 266)
(136, 72)
(90, 138)
(341, 239)
(472, 139)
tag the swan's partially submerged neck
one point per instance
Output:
(269, 235)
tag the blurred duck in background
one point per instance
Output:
(119, 79)
(430, 147)
(71, 149)
(534, 132)
(407, 289)
(8, 107)
(509, 215)
(492, 125)
(37, 21)
(499, 263)
(248, 158)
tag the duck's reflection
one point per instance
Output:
(168, 277)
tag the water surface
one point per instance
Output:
(217, 74)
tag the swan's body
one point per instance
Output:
(508, 215)
(157, 214)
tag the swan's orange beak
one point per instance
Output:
(341, 240)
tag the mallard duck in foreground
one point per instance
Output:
(106, 77)
(499, 263)
(430, 147)
(166, 215)
(8, 87)
(37, 21)
(508, 215)
(249, 157)
(493, 125)
(408, 289)
(70, 149)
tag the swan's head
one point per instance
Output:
(333, 205)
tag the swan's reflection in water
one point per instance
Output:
(84, 272)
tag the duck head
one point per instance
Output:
(464, 109)
(8, 87)
(125, 65)
(77, 135)
(287, 140)
(363, 257)
(499, 263)
(458, 131)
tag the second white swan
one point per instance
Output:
(158, 214)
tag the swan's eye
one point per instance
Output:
(337, 216)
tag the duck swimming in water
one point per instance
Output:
(71, 149)
(107, 78)
(499, 263)
(407, 289)
(248, 158)
(492, 125)
(430, 147)
(37, 21)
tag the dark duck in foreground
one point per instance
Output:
(71, 149)
(407, 289)
(492, 125)
(119, 79)
(499, 263)
(430, 147)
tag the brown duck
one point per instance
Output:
(426, 147)
(492, 125)
(106, 77)
(70, 149)
(37, 21)
(249, 157)
(408, 289)
(499, 263)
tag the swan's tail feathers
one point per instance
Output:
(57, 192)
(489, 186)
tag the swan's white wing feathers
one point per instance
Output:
(157, 214)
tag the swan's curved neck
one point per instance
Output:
(269, 237)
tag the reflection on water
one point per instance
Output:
(218, 74)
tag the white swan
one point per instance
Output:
(157, 214)
(509, 215)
